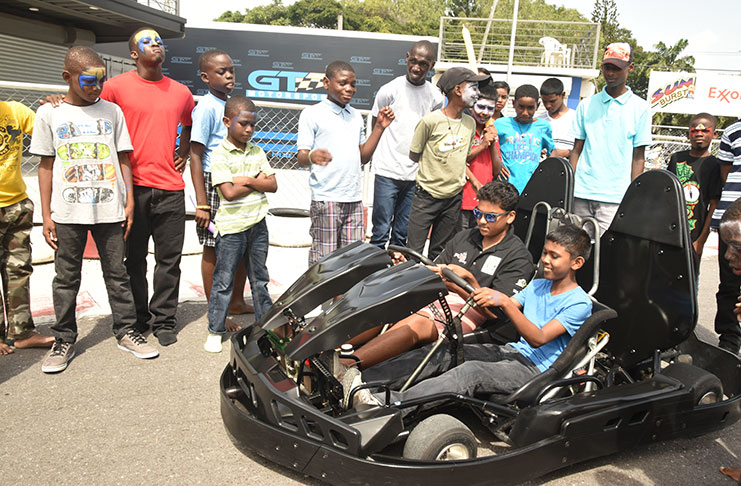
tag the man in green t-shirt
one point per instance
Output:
(440, 144)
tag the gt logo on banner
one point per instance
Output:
(692, 93)
(285, 85)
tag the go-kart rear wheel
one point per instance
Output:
(705, 387)
(440, 438)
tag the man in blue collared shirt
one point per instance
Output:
(612, 129)
(331, 141)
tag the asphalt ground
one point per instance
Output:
(113, 419)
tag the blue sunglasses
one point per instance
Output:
(490, 217)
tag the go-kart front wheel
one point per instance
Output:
(440, 438)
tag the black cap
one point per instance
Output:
(457, 75)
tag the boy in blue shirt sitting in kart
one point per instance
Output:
(547, 313)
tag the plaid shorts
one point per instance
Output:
(205, 237)
(334, 225)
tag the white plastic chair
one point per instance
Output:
(554, 54)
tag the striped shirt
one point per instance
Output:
(729, 154)
(227, 162)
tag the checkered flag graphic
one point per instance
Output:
(310, 82)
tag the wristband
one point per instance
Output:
(204, 207)
(310, 152)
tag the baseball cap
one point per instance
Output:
(618, 54)
(457, 75)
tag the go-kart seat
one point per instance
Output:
(575, 351)
(552, 183)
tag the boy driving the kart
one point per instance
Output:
(546, 313)
(489, 255)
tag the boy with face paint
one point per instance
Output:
(523, 138)
(612, 129)
(411, 97)
(484, 161)
(242, 174)
(441, 143)
(154, 105)
(699, 173)
(85, 185)
(331, 141)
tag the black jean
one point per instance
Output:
(71, 240)
(441, 214)
(726, 322)
(161, 215)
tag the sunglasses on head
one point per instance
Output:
(484, 107)
(489, 217)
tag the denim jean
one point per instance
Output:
(252, 244)
(392, 201)
(71, 240)
(161, 215)
(487, 369)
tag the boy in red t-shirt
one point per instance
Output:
(153, 106)
(484, 161)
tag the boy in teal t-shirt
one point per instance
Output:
(523, 138)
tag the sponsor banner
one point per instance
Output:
(278, 66)
(690, 93)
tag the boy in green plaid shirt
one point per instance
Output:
(241, 173)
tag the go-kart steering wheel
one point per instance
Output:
(408, 252)
(458, 280)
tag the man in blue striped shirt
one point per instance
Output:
(729, 158)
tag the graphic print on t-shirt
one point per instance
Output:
(79, 129)
(450, 142)
(91, 182)
(691, 188)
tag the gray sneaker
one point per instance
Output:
(58, 357)
(136, 344)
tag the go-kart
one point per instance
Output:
(633, 373)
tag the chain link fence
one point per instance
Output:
(668, 140)
(277, 135)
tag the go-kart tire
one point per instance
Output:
(704, 386)
(440, 438)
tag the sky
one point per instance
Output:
(709, 25)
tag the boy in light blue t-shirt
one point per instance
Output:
(547, 313)
(523, 138)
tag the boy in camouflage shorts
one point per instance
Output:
(16, 221)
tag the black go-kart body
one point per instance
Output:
(652, 381)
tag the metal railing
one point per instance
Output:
(546, 43)
(169, 6)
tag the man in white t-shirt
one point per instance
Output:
(410, 97)
(560, 116)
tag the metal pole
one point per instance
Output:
(512, 40)
(486, 31)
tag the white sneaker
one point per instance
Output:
(351, 380)
(213, 343)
